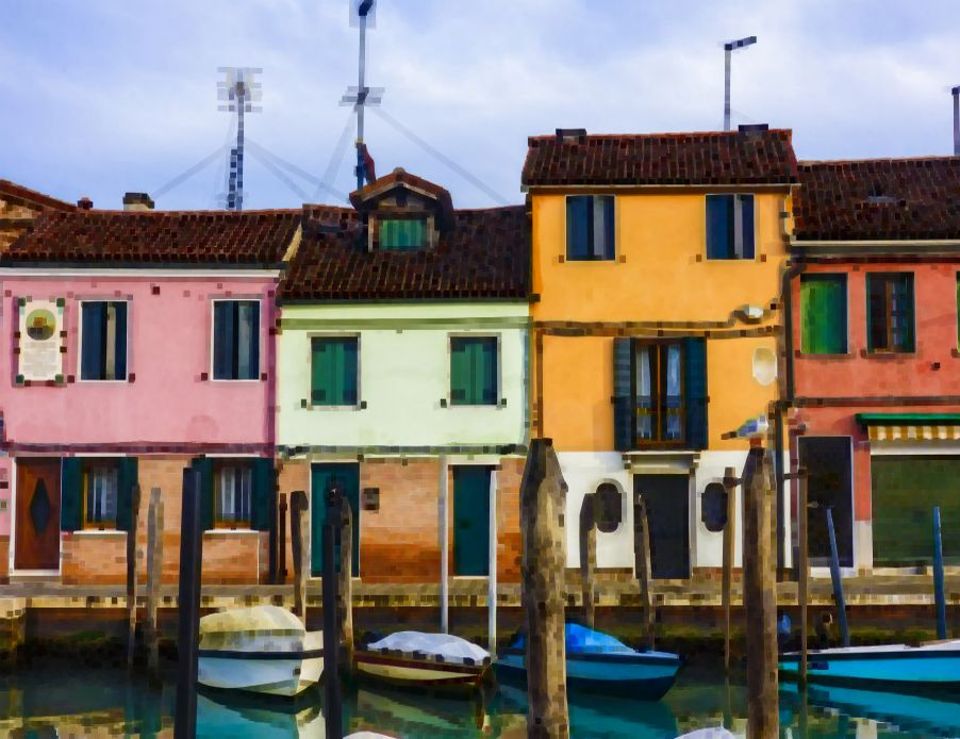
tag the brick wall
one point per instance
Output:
(291, 475)
(4, 558)
(93, 558)
(509, 548)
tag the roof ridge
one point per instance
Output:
(869, 160)
(18, 190)
(660, 134)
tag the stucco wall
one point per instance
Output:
(164, 399)
(404, 368)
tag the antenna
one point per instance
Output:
(728, 47)
(240, 91)
(362, 12)
(955, 91)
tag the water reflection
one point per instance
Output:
(66, 700)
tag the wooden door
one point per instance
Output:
(471, 521)
(668, 517)
(348, 476)
(829, 485)
(38, 515)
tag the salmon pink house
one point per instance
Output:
(138, 344)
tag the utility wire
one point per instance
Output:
(189, 172)
(275, 170)
(336, 156)
(479, 184)
(291, 167)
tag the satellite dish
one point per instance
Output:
(363, 8)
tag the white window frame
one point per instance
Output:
(79, 366)
(213, 327)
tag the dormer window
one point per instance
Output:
(403, 234)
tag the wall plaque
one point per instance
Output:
(40, 324)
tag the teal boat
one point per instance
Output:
(598, 661)
(935, 664)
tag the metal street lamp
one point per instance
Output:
(728, 47)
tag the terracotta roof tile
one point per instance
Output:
(156, 237)
(710, 158)
(11, 191)
(878, 199)
(485, 255)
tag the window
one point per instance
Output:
(473, 370)
(890, 312)
(658, 381)
(334, 370)
(590, 227)
(103, 340)
(823, 310)
(403, 234)
(730, 227)
(608, 507)
(100, 488)
(232, 495)
(236, 339)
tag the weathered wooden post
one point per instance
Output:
(760, 597)
(298, 544)
(282, 537)
(729, 538)
(938, 590)
(643, 566)
(492, 567)
(588, 557)
(331, 637)
(803, 581)
(444, 527)
(188, 607)
(542, 503)
(345, 591)
(132, 574)
(154, 577)
(837, 580)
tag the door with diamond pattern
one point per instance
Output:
(38, 515)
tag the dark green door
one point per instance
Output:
(321, 475)
(471, 521)
(668, 518)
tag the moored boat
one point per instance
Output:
(424, 659)
(598, 661)
(934, 664)
(264, 649)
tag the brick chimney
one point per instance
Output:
(137, 201)
(85, 203)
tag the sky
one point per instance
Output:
(101, 97)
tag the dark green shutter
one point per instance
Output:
(904, 292)
(695, 389)
(224, 326)
(485, 390)
(264, 495)
(319, 372)
(204, 465)
(823, 301)
(93, 321)
(459, 371)
(623, 406)
(126, 479)
(120, 354)
(71, 495)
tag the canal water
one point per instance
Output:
(59, 699)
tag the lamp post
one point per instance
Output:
(728, 47)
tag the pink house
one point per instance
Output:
(139, 344)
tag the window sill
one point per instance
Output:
(888, 355)
(100, 532)
(830, 357)
(336, 408)
(568, 260)
(229, 532)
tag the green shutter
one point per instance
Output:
(263, 504)
(695, 391)
(904, 288)
(71, 495)
(126, 479)
(204, 465)
(623, 407)
(334, 371)
(319, 373)
(459, 371)
(823, 300)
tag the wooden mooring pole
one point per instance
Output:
(643, 566)
(803, 581)
(588, 557)
(132, 574)
(542, 504)
(345, 591)
(154, 576)
(298, 545)
(444, 527)
(837, 581)
(331, 637)
(282, 539)
(729, 539)
(188, 607)
(938, 590)
(760, 597)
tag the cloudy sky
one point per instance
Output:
(101, 97)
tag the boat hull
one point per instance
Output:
(634, 676)
(406, 670)
(935, 665)
(280, 673)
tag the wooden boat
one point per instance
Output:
(935, 664)
(598, 661)
(264, 649)
(424, 659)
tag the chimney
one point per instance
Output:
(752, 127)
(137, 201)
(565, 135)
(85, 203)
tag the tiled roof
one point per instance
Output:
(21, 195)
(711, 158)
(878, 199)
(484, 255)
(399, 176)
(255, 238)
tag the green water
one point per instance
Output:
(62, 699)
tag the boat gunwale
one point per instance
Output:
(299, 654)
(908, 653)
(619, 657)
(426, 663)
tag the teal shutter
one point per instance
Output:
(204, 465)
(905, 317)
(126, 479)
(485, 385)
(348, 475)
(695, 389)
(623, 407)
(334, 371)
(459, 371)
(71, 495)
(263, 504)
(319, 373)
(823, 309)
(471, 521)
(120, 353)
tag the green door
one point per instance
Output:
(321, 475)
(471, 521)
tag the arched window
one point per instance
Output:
(609, 507)
(713, 507)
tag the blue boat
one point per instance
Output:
(936, 664)
(598, 661)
